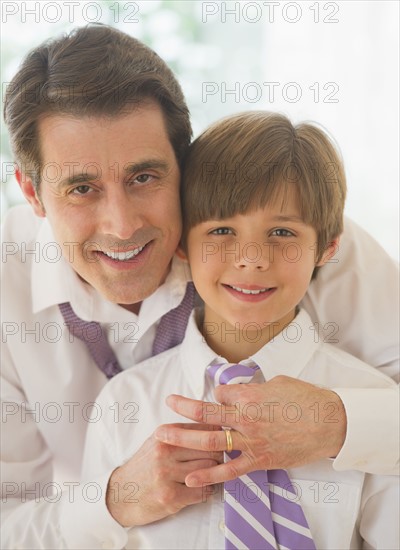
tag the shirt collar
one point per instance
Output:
(290, 351)
(287, 354)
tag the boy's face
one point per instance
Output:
(253, 269)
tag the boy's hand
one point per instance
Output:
(281, 423)
(151, 485)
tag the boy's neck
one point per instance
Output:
(236, 343)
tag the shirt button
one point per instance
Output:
(221, 525)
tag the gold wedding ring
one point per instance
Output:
(229, 442)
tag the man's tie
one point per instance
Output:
(170, 332)
(172, 326)
(95, 339)
(261, 511)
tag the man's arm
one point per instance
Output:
(272, 441)
(38, 511)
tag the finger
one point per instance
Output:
(182, 454)
(200, 440)
(190, 495)
(204, 412)
(220, 473)
(194, 426)
(186, 468)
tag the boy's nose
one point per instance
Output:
(252, 257)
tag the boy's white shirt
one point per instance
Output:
(48, 382)
(342, 508)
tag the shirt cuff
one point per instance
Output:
(372, 437)
(86, 523)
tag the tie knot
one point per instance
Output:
(231, 373)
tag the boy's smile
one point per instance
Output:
(249, 293)
(255, 271)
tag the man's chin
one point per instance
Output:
(126, 298)
(124, 289)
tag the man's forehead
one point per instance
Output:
(87, 148)
(144, 109)
(135, 136)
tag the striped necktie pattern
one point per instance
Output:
(261, 508)
(93, 335)
(172, 326)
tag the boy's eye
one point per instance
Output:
(282, 233)
(221, 231)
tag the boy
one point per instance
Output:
(262, 206)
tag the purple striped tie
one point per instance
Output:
(260, 508)
(172, 327)
(95, 339)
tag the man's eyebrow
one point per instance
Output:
(80, 178)
(150, 164)
(129, 168)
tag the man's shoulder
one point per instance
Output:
(20, 225)
(345, 370)
(19, 232)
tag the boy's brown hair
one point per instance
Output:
(251, 159)
(95, 70)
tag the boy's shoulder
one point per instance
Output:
(147, 373)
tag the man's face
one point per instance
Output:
(110, 189)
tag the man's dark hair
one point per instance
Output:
(95, 70)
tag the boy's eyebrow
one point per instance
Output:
(283, 218)
(131, 168)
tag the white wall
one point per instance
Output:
(240, 46)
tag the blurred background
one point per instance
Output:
(336, 63)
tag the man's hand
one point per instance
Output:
(281, 423)
(151, 485)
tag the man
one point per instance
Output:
(99, 129)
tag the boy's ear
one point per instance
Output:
(329, 252)
(30, 193)
(181, 253)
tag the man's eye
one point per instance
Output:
(81, 190)
(221, 231)
(143, 178)
(281, 233)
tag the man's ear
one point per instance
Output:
(181, 253)
(329, 252)
(30, 193)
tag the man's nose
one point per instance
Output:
(121, 216)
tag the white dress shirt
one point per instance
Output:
(49, 383)
(343, 509)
